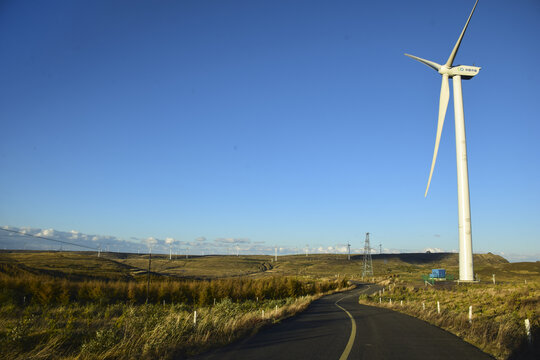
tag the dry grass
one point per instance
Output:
(76, 265)
(42, 317)
(134, 331)
(499, 311)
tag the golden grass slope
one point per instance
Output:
(498, 311)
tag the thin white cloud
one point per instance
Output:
(232, 241)
(46, 233)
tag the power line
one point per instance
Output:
(49, 239)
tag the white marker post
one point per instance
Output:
(528, 330)
(470, 314)
(438, 308)
(263, 314)
(423, 305)
(195, 317)
(493, 279)
(401, 302)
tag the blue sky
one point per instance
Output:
(283, 122)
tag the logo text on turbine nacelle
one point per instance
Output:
(464, 70)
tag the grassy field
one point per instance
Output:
(499, 310)
(79, 305)
(76, 305)
(79, 265)
(131, 331)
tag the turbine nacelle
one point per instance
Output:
(465, 71)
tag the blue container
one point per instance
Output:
(438, 274)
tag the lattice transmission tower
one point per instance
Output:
(368, 264)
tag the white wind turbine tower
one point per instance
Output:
(458, 72)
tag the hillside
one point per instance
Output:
(116, 266)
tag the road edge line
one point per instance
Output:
(350, 343)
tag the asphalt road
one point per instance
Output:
(337, 327)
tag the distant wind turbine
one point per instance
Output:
(448, 70)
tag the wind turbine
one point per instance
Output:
(458, 72)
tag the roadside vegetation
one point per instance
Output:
(44, 317)
(78, 305)
(497, 325)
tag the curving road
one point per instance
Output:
(337, 327)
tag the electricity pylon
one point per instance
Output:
(368, 264)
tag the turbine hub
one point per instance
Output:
(444, 70)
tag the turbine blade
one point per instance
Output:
(443, 104)
(458, 43)
(431, 64)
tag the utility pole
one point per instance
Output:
(275, 256)
(368, 264)
(349, 248)
(380, 249)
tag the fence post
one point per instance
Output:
(528, 330)
(470, 314)
(438, 308)
(195, 317)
